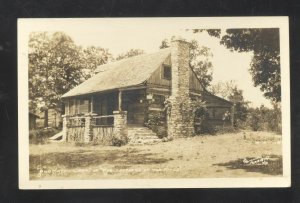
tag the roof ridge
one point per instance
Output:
(130, 58)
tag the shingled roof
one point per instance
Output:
(125, 73)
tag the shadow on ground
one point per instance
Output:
(274, 166)
(88, 158)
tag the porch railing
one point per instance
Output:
(103, 121)
(76, 128)
(100, 129)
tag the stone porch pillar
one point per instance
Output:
(120, 124)
(87, 129)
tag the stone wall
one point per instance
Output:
(181, 119)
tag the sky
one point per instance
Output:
(119, 38)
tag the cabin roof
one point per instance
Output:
(121, 74)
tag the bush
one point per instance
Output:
(40, 136)
(116, 141)
(157, 123)
(255, 121)
(265, 119)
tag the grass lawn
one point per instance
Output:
(243, 154)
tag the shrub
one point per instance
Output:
(254, 121)
(265, 119)
(40, 136)
(157, 123)
(119, 141)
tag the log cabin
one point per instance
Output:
(125, 94)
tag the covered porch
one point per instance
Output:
(98, 117)
(103, 104)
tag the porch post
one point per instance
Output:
(65, 127)
(120, 101)
(92, 104)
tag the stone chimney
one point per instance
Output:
(181, 120)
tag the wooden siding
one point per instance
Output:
(157, 77)
(217, 112)
(195, 85)
(212, 100)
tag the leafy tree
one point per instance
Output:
(240, 106)
(130, 53)
(265, 64)
(211, 32)
(54, 68)
(263, 118)
(92, 58)
(164, 44)
(199, 60)
(56, 65)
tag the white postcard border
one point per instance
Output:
(25, 26)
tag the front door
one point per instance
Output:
(134, 104)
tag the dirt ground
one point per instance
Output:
(243, 154)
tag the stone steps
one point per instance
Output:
(142, 136)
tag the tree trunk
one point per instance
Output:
(46, 118)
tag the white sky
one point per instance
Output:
(119, 38)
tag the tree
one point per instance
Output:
(92, 58)
(54, 68)
(240, 106)
(199, 60)
(265, 64)
(230, 91)
(223, 89)
(130, 53)
(55, 65)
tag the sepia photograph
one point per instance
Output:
(154, 102)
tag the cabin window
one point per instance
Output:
(167, 72)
